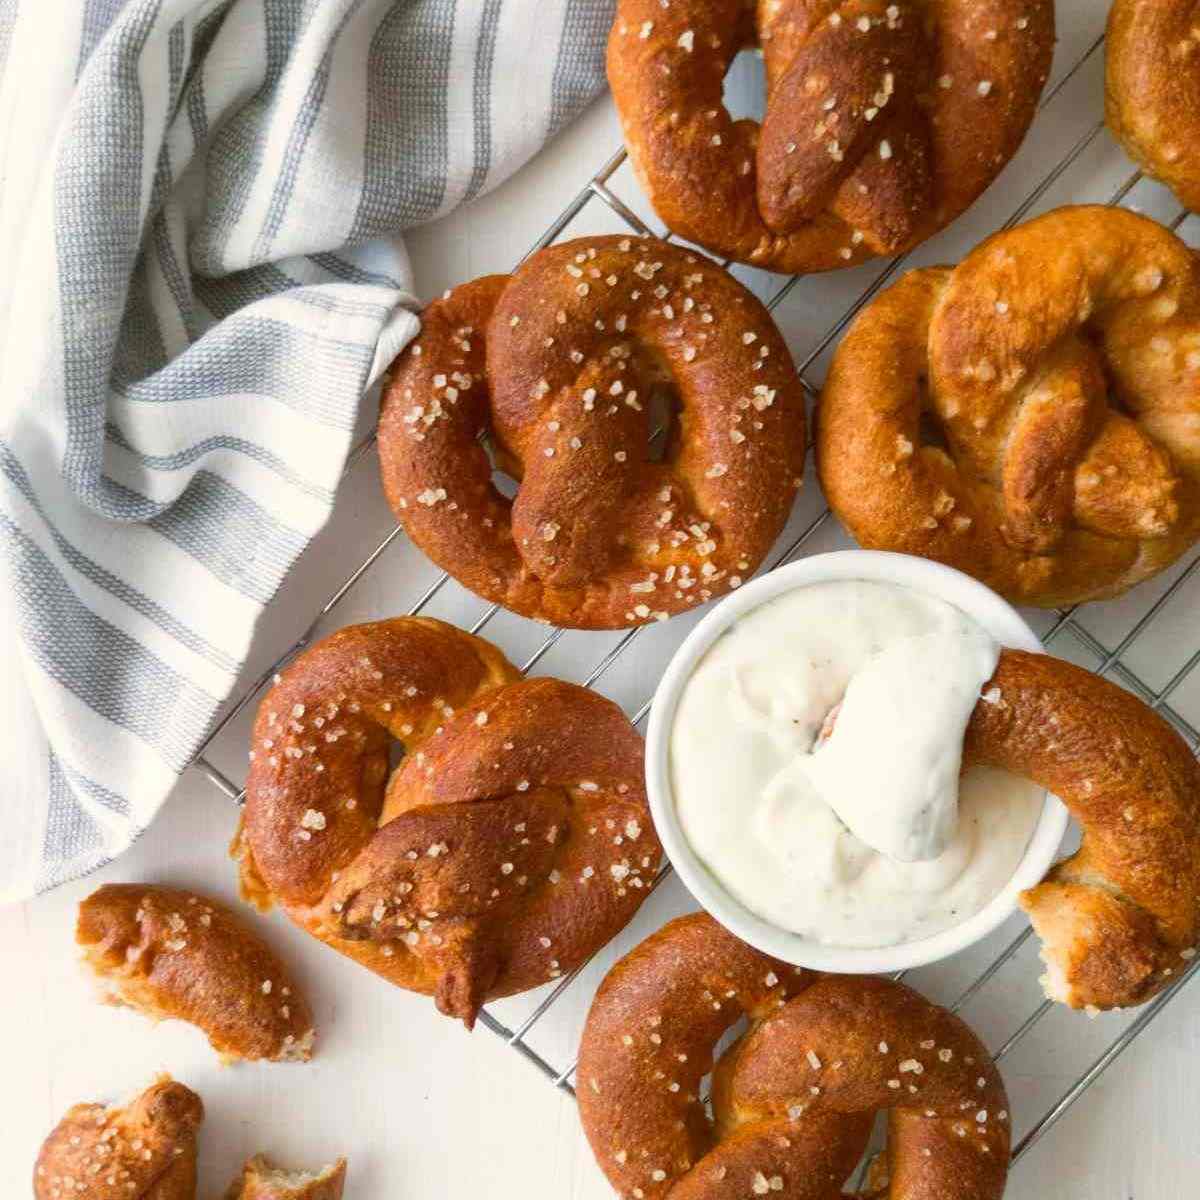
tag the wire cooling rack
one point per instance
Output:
(1106, 660)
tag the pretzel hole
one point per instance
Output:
(874, 1157)
(930, 429)
(502, 478)
(1115, 398)
(396, 753)
(663, 413)
(745, 89)
(732, 1035)
(1116, 401)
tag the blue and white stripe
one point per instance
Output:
(198, 226)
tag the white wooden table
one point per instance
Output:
(421, 1108)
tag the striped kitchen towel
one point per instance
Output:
(200, 273)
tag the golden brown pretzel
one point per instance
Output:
(145, 1150)
(173, 954)
(793, 1100)
(884, 120)
(1152, 89)
(1059, 366)
(561, 362)
(513, 840)
(1121, 916)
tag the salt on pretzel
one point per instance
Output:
(884, 120)
(794, 1099)
(176, 955)
(567, 365)
(1031, 416)
(512, 841)
(1152, 89)
(145, 1150)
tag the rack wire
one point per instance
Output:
(1110, 660)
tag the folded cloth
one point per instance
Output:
(199, 210)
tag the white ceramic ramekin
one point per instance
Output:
(997, 616)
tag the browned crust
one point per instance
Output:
(812, 189)
(263, 1180)
(514, 839)
(558, 364)
(795, 1097)
(178, 955)
(1120, 917)
(1152, 89)
(336, 707)
(1061, 360)
(145, 1150)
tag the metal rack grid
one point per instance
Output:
(1110, 660)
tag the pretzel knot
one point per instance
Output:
(1031, 416)
(512, 841)
(883, 122)
(793, 1100)
(572, 366)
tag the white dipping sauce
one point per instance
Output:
(866, 837)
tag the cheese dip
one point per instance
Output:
(815, 766)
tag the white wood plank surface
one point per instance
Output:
(421, 1108)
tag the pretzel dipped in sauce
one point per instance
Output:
(512, 841)
(1121, 916)
(571, 367)
(794, 1099)
(884, 121)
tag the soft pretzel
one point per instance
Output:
(145, 1150)
(260, 1179)
(566, 364)
(1031, 416)
(1152, 89)
(1122, 915)
(883, 122)
(513, 840)
(794, 1099)
(173, 954)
